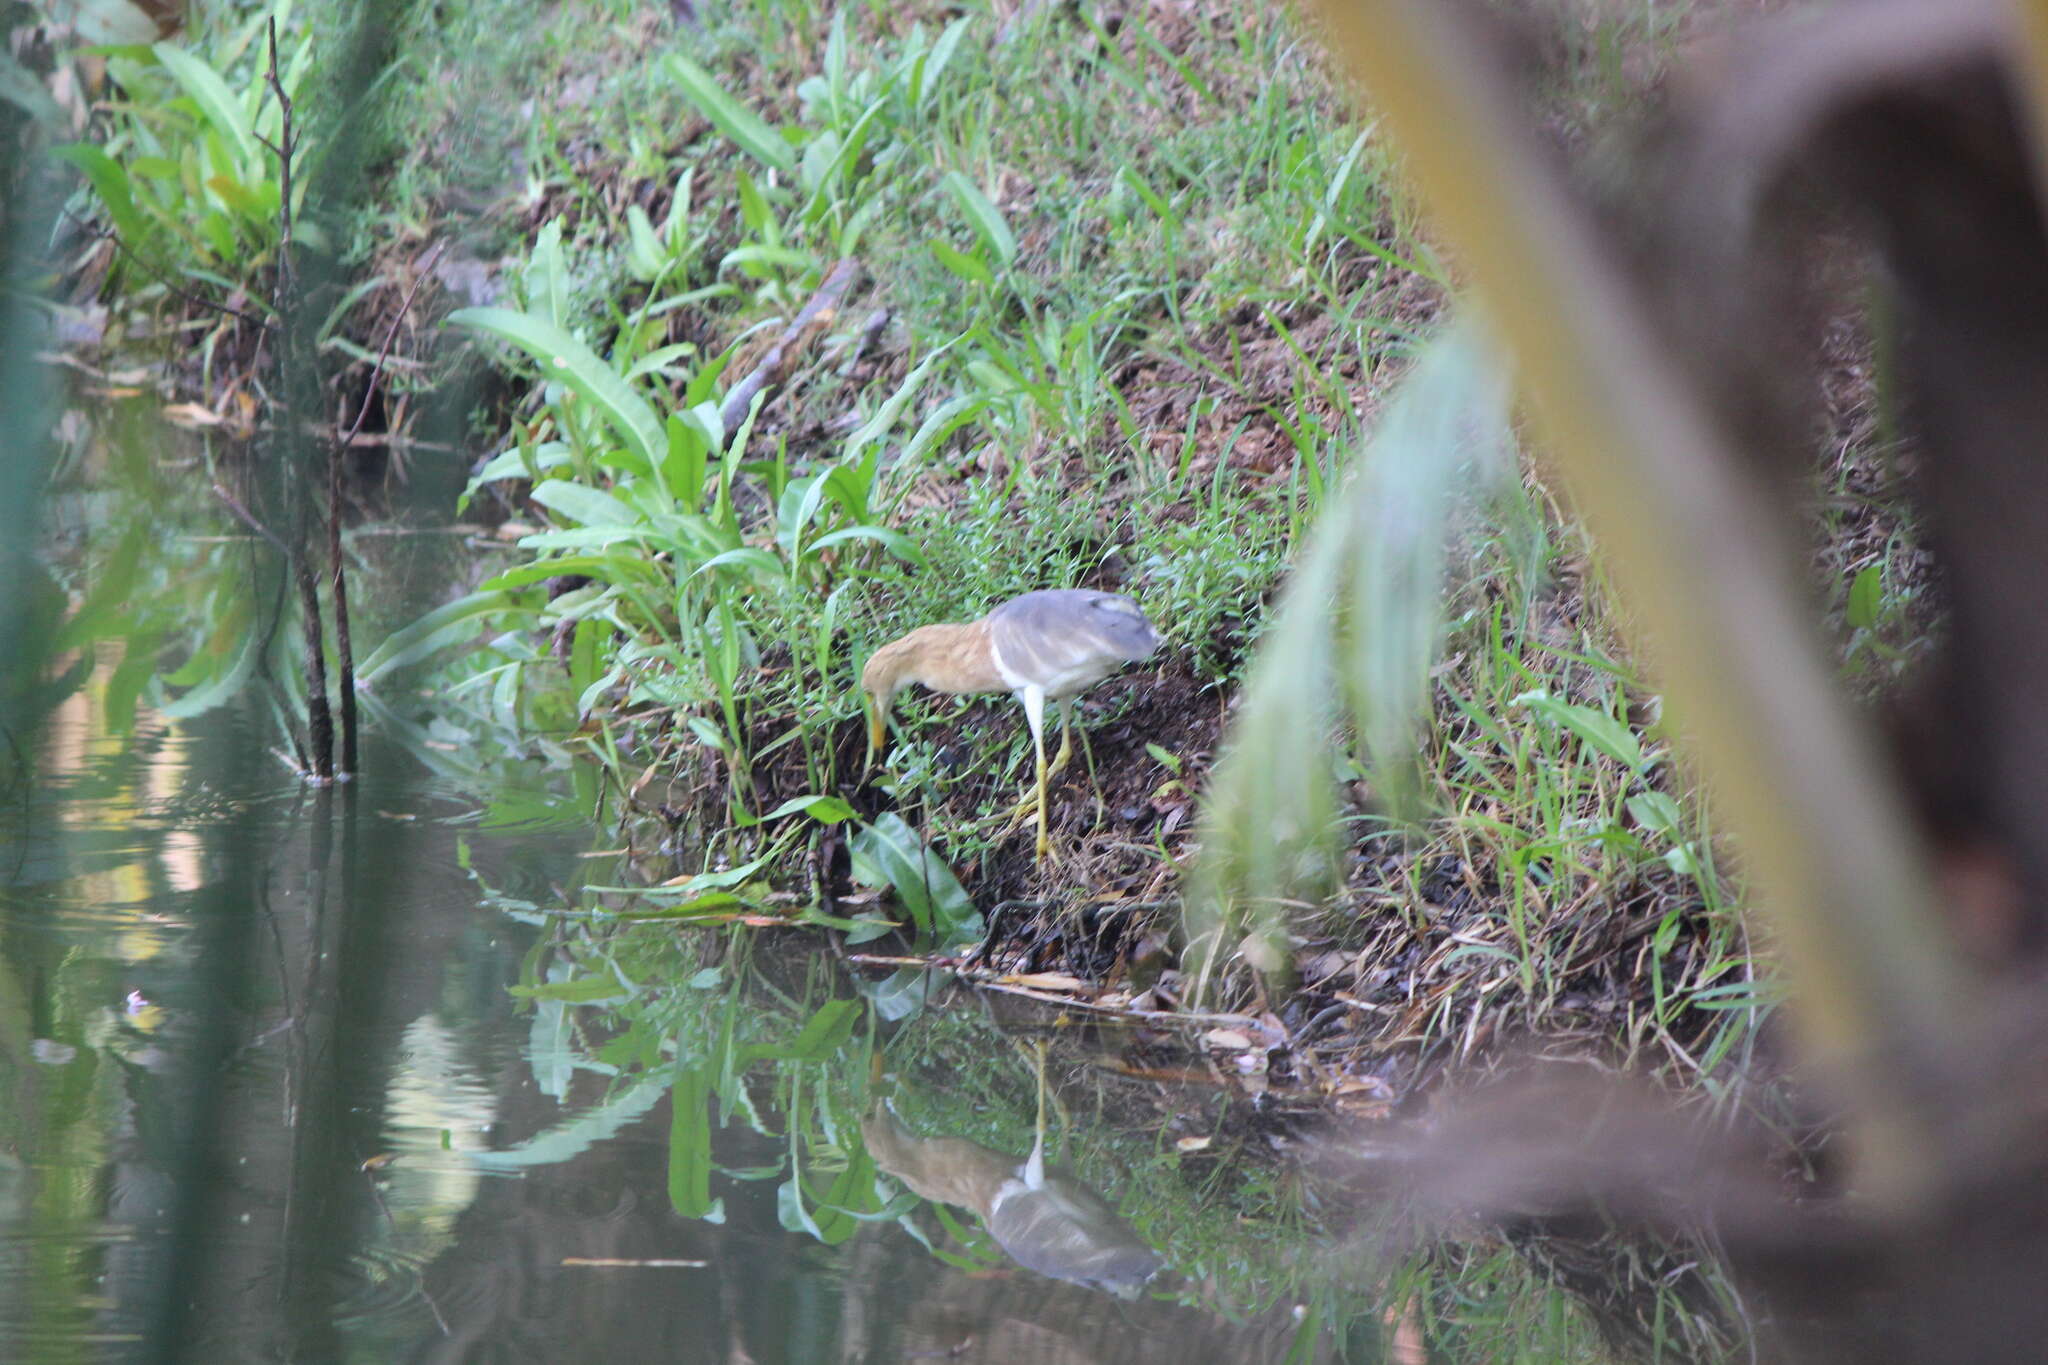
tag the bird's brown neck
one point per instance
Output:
(945, 658)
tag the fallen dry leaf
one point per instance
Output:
(192, 415)
(1044, 981)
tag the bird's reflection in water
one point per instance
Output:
(1042, 1217)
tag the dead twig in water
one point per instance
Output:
(1011, 983)
(292, 369)
(108, 234)
(248, 519)
(344, 650)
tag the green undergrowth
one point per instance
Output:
(787, 1048)
(1130, 279)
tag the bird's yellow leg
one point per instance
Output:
(1038, 743)
(1035, 800)
(1066, 756)
(1034, 1168)
(1066, 753)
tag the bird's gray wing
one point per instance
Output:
(1068, 634)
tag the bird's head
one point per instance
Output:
(879, 682)
(1124, 624)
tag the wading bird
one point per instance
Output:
(1044, 1218)
(1042, 646)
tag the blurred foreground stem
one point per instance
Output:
(1698, 554)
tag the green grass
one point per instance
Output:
(1104, 364)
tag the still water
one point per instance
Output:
(393, 1073)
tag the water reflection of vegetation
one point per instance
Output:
(742, 1033)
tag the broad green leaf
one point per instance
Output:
(239, 197)
(578, 1135)
(210, 694)
(439, 627)
(137, 667)
(986, 219)
(947, 418)
(895, 542)
(645, 255)
(730, 117)
(820, 160)
(1602, 733)
(661, 359)
(750, 557)
(878, 426)
(1864, 595)
(563, 357)
(934, 67)
(790, 1209)
(547, 289)
(889, 853)
(822, 1035)
(593, 507)
(582, 990)
(691, 886)
(548, 1049)
(1359, 621)
(1655, 811)
(799, 503)
(829, 810)
(633, 565)
(584, 655)
(763, 254)
(689, 452)
(587, 538)
(850, 1195)
(211, 94)
(711, 903)
(512, 464)
(967, 267)
(689, 1143)
(110, 182)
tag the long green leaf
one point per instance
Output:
(110, 182)
(823, 1034)
(730, 117)
(212, 693)
(895, 542)
(877, 426)
(689, 1145)
(592, 506)
(968, 267)
(579, 1134)
(987, 219)
(211, 94)
(1360, 620)
(1602, 732)
(439, 627)
(564, 357)
(889, 853)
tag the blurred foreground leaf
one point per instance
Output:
(1360, 618)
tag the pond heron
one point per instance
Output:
(1043, 1217)
(1041, 646)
